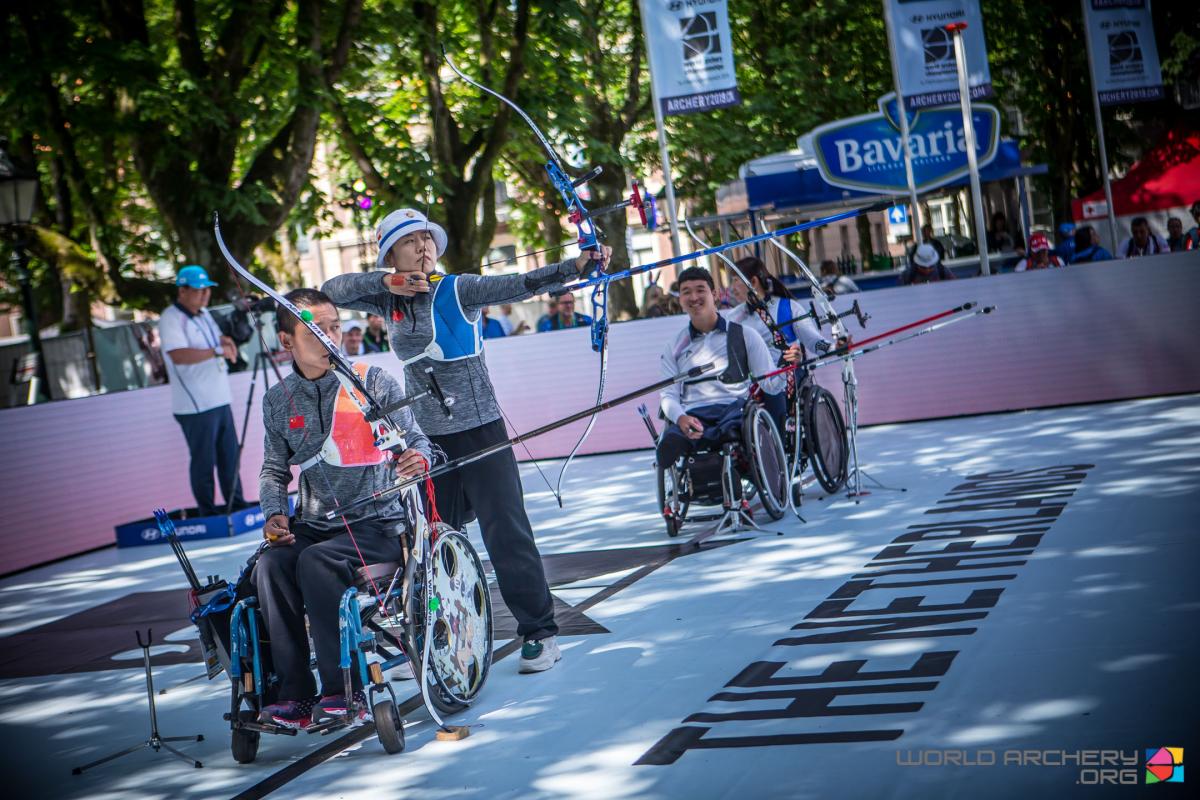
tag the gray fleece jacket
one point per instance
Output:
(297, 415)
(410, 331)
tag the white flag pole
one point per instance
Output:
(914, 217)
(663, 151)
(1112, 217)
(964, 99)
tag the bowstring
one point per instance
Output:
(454, 333)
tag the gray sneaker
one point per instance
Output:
(539, 655)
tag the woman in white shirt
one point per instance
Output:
(782, 307)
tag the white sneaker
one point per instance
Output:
(539, 655)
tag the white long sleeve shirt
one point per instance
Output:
(804, 329)
(691, 349)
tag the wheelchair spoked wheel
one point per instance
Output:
(460, 605)
(768, 461)
(670, 502)
(825, 439)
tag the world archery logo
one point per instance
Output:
(1164, 765)
(701, 35)
(939, 51)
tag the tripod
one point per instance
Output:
(854, 486)
(262, 359)
(155, 741)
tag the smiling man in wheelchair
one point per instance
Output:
(311, 422)
(715, 415)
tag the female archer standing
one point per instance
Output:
(433, 327)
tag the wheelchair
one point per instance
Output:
(433, 610)
(815, 435)
(749, 461)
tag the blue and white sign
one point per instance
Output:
(1124, 53)
(691, 55)
(927, 72)
(898, 216)
(866, 152)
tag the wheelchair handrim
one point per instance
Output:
(462, 635)
(770, 462)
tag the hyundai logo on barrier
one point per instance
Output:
(183, 531)
(866, 152)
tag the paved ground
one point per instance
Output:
(984, 632)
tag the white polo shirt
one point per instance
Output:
(194, 387)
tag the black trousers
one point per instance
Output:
(311, 576)
(720, 423)
(490, 489)
(212, 441)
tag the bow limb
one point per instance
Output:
(836, 326)
(589, 239)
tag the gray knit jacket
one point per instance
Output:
(410, 331)
(297, 415)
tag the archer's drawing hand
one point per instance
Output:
(407, 284)
(277, 532)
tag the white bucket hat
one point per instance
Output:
(399, 224)
(926, 256)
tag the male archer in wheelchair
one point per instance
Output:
(710, 409)
(311, 422)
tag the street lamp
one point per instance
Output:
(18, 188)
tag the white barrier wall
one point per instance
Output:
(73, 470)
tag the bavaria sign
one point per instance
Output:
(866, 153)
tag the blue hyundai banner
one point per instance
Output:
(866, 152)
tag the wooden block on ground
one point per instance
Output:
(453, 733)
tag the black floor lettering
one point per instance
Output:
(764, 673)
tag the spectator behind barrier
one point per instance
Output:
(925, 267)
(834, 282)
(1193, 235)
(1039, 256)
(492, 329)
(543, 323)
(353, 343)
(375, 337)
(1065, 249)
(1175, 238)
(1087, 248)
(1142, 241)
(566, 317)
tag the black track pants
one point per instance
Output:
(490, 490)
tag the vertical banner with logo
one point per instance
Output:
(691, 55)
(1125, 65)
(926, 73)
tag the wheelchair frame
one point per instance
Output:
(677, 492)
(405, 622)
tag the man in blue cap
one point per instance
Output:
(1065, 249)
(196, 355)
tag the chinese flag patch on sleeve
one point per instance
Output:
(296, 422)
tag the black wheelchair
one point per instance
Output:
(815, 435)
(433, 611)
(749, 461)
